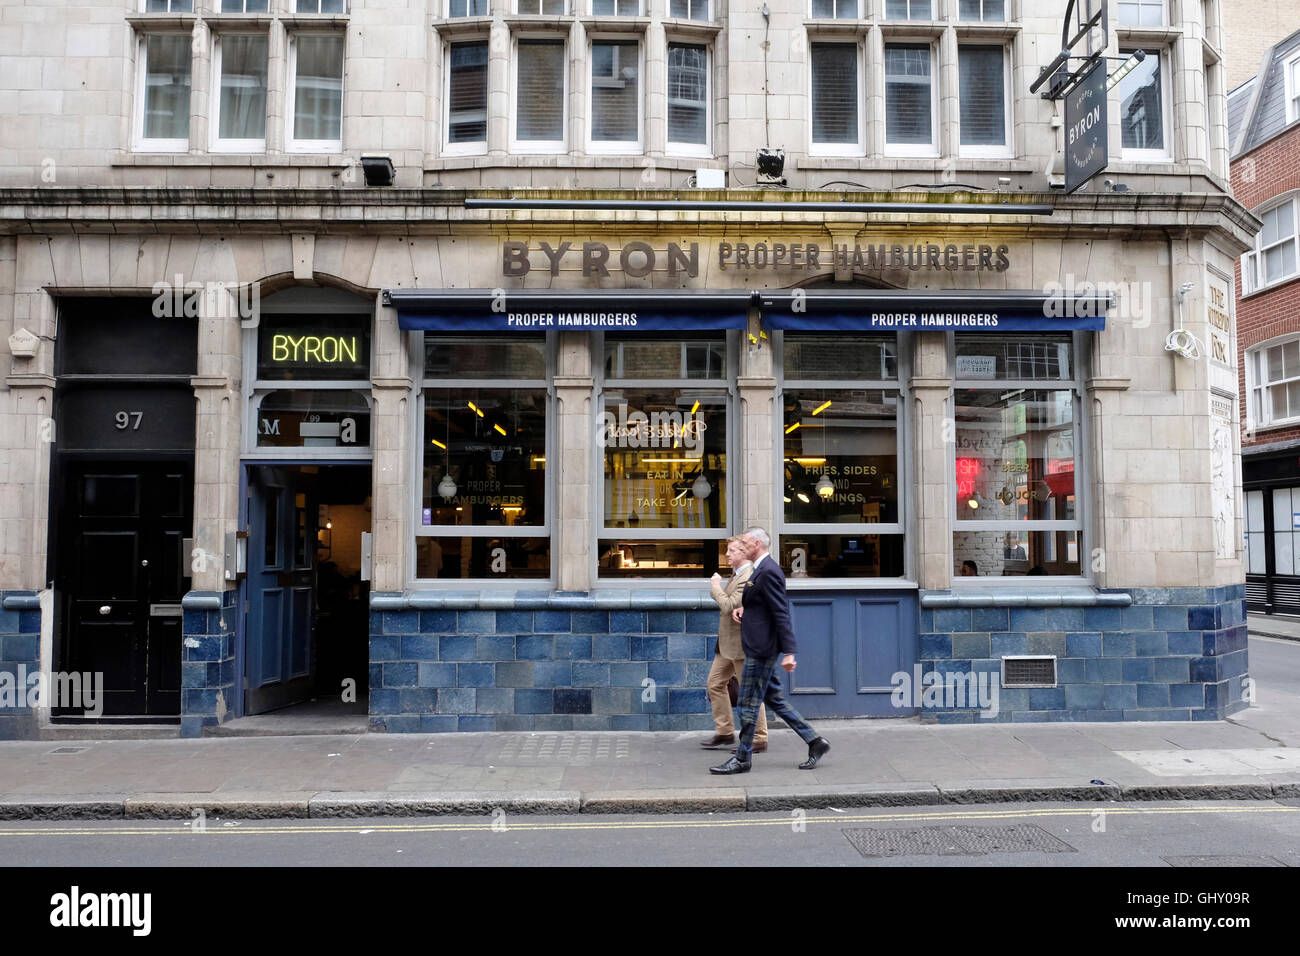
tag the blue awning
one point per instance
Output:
(891, 310)
(540, 310)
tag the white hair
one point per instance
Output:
(761, 536)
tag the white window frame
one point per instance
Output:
(1254, 276)
(537, 145)
(617, 148)
(293, 145)
(1008, 99)
(982, 18)
(1166, 154)
(564, 12)
(476, 147)
(144, 7)
(1258, 406)
(220, 145)
(698, 150)
(852, 13)
(639, 12)
(293, 9)
(840, 149)
(139, 141)
(913, 149)
(467, 14)
(1142, 4)
(909, 18)
(691, 6)
(1291, 83)
(270, 7)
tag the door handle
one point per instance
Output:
(104, 610)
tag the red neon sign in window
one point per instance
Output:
(968, 470)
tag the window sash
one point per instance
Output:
(245, 6)
(240, 107)
(168, 6)
(836, 95)
(689, 9)
(616, 8)
(909, 97)
(466, 8)
(317, 98)
(550, 8)
(467, 93)
(165, 85)
(540, 95)
(909, 9)
(322, 6)
(615, 95)
(982, 71)
(835, 9)
(987, 11)
(1143, 106)
(688, 94)
(1142, 13)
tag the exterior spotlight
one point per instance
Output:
(379, 170)
(447, 487)
(1127, 67)
(825, 487)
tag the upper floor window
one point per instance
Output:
(983, 84)
(163, 92)
(616, 95)
(1142, 108)
(551, 8)
(909, 98)
(1276, 252)
(239, 63)
(1273, 383)
(909, 9)
(835, 99)
(467, 93)
(1291, 73)
(1142, 13)
(689, 9)
(616, 8)
(835, 9)
(990, 11)
(168, 6)
(467, 8)
(244, 6)
(539, 99)
(688, 94)
(315, 119)
(321, 6)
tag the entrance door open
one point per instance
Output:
(306, 635)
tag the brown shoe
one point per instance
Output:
(718, 741)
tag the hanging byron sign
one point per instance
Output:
(638, 259)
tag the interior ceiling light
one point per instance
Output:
(701, 488)
(825, 487)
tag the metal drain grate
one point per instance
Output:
(69, 750)
(1029, 672)
(1220, 861)
(955, 841)
(563, 748)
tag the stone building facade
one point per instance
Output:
(228, 347)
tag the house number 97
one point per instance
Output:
(124, 420)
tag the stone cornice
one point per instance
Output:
(440, 211)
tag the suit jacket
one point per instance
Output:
(728, 599)
(765, 629)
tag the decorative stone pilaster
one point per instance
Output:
(934, 432)
(391, 516)
(575, 430)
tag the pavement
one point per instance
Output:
(1255, 755)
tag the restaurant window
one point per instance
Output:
(163, 94)
(240, 65)
(663, 428)
(1142, 108)
(1016, 440)
(483, 431)
(467, 96)
(836, 103)
(316, 95)
(539, 104)
(839, 473)
(909, 99)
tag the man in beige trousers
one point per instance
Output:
(728, 655)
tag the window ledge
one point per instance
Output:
(927, 164)
(536, 21)
(970, 30)
(615, 24)
(1287, 425)
(903, 30)
(689, 597)
(1128, 36)
(568, 161)
(463, 26)
(260, 160)
(168, 21)
(836, 28)
(1271, 287)
(219, 20)
(1014, 594)
(678, 27)
(1108, 384)
(297, 21)
(850, 584)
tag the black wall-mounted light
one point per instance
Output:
(379, 170)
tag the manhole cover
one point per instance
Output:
(69, 750)
(563, 748)
(955, 841)
(1220, 861)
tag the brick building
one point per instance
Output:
(1265, 121)
(327, 375)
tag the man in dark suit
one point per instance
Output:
(765, 632)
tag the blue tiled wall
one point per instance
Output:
(20, 646)
(1174, 654)
(208, 659)
(457, 670)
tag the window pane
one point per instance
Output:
(662, 559)
(540, 110)
(982, 79)
(475, 557)
(1291, 359)
(1275, 363)
(907, 94)
(614, 96)
(1006, 553)
(689, 9)
(1277, 400)
(665, 458)
(167, 87)
(688, 83)
(1014, 454)
(1279, 262)
(467, 93)
(834, 93)
(243, 87)
(908, 9)
(318, 89)
(645, 358)
(1141, 110)
(620, 8)
(841, 456)
(467, 8)
(313, 418)
(449, 356)
(842, 555)
(1254, 511)
(1015, 358)
(843, 357)
(484, 457)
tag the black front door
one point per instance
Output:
(120, 569)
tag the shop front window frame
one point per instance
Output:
(1083, 504)
(415, 502)
(730, 484)
(902, 435)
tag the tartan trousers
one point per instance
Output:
(759, 682)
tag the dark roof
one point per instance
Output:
(1257, 108)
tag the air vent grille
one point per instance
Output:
(1029, 672)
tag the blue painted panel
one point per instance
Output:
(814, 628)
(880, 652)
(267, 652)
(300, 633)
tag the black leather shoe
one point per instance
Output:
(816, 750)
(757, 749)
(718, 741)
(732, 766)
